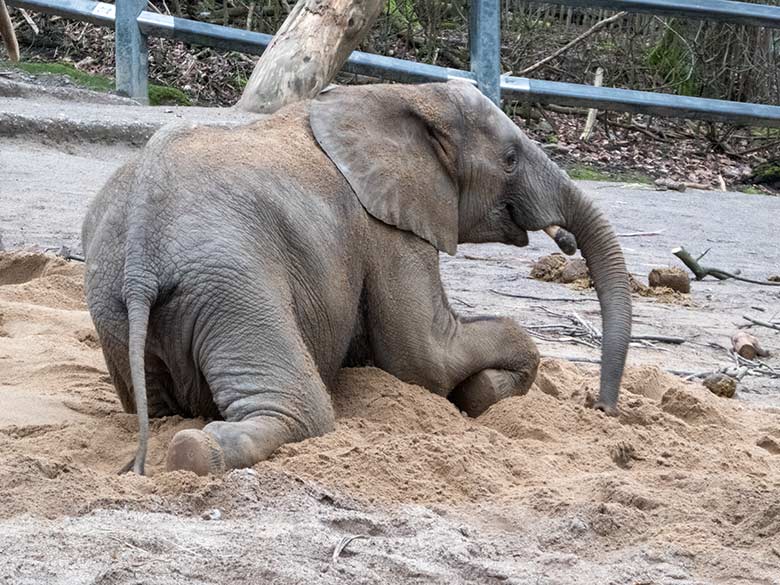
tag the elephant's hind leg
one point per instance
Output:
(277, 417)
(268, 390)
(158, 380)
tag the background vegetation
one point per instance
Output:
(646, 52)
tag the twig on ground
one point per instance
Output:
(661, 338)
(481, 258)
(761, 323)
(639, 234)
(536, 298)
(65, 253)
(647, 132)
(580, 331)
(342, 545)
(700, 272)
(757, 148)
(29, 20)
(462, 302)
(740, 371)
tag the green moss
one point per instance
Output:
(159, 95)
(81, 78)
(751, 190)
(768, 172)
(585, 173)
(588, 174)
(163, 95)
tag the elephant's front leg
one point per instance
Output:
(507, 367)
(417, 337)
(482, 390)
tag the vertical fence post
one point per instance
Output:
(131, 53)
(485, 46)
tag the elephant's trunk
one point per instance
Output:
(601, 250)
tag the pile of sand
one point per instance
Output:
(679, 469)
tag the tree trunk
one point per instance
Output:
(7, 33)
(307, 52)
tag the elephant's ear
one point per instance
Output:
(395, 147)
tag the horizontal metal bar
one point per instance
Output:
(641, 102)
(726, 10)
(390, 68)
(98, 13)
(202, 33)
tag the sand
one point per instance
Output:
(682, 487)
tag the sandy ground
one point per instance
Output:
(682, 488)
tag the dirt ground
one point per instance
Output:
(681, 488)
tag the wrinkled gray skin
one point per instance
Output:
(232, 271)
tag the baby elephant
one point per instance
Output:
(232, 271)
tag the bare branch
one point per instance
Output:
(700, 272)
(761, 323)
(595, 28)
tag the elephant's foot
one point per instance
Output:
(482, 390)
(223, 445)
(195, 451)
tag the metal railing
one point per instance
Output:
(133, 25)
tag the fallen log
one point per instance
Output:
(700, 272)
(747, 345)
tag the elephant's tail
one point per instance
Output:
(138, 308)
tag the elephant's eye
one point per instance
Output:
(510, 160)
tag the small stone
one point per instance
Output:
(212, 514)
(673, 278)
(721, 385)
(775, 278)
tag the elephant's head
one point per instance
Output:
(444, 162)
(7, 32)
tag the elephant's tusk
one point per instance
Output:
(563, 238)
